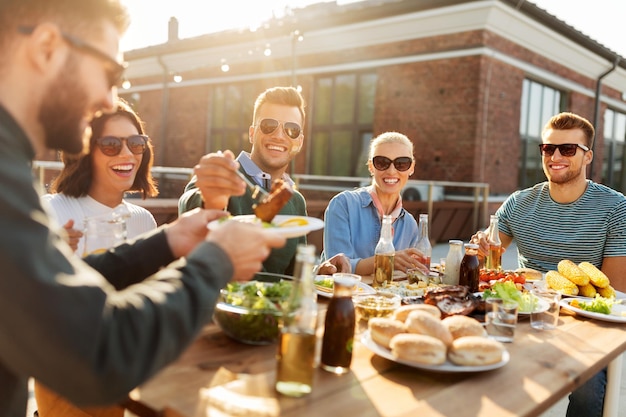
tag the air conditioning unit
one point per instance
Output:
(419, 192)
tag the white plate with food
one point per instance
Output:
(618, 311)
(324, 286)
(446, 367)
(284, 225)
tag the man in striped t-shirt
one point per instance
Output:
(568, 217)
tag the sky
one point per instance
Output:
(601, 20)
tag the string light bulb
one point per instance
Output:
(224, 66)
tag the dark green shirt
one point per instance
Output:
(281, 260)
(64, 321)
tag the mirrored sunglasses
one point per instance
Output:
(291, 129)
(565, 149)
(112, 145)
(401, 163)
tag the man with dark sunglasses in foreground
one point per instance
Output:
(567, 217)
(276, 135)
(92, 329)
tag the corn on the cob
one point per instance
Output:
(559, 283)
(608, 292)
(587, 290)
(572, 272)
(596, 277)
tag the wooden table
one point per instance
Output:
(544, 367)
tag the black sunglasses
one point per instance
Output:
(114, 69)
(269, 126)
(112, 145)
(565, 149)
(401, 163)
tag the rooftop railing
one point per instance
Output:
(475, 192)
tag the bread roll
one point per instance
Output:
(475, 351)
(461, 326)
(421, 322)
(382, 329)
(418, 348)
(402, 313)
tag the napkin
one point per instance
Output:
(233, 395)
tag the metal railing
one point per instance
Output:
(479, 190)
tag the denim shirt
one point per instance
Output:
(352, 226)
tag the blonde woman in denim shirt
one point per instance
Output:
(353, 218)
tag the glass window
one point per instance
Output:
(342, 114)
(538, 104)
(319, 150)
(232, 107)
(613, 174)
(366, 98)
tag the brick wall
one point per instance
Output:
(462, 113)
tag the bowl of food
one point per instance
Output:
(249, 312)
(367, 306)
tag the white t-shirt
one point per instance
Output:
(63, 208)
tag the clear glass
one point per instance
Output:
(501, 319)
(545, 315)
(103, 232)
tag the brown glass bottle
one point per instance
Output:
(339, 328)
(469, 273)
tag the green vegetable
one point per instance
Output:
(328, 282)
(249, 312)
(598, 305)
(509, 292)
(258, 295)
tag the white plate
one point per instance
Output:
(615, 316)
(362, 288)
(446, 367)
(312, 223)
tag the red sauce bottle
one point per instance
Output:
(469, 273)
(339, 328)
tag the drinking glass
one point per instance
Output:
(102, 233)
(545, 312)
(501, 319)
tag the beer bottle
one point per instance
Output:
(384, 254)
(494, 256)
(423, 244)
(296, 347)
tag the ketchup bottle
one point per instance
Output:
(469, 273)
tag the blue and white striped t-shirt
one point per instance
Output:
(588, 229)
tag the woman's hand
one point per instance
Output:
(73, 235)
(338, 263)
(409, 258)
